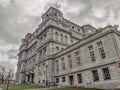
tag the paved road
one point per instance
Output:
(0, 88)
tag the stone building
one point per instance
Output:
(62, 53)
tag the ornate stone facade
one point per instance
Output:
(62, 53)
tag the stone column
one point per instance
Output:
(36, 76)
(26, 78)
(30, 78)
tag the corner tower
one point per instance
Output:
(52, 36)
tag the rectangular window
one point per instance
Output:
(101, 50)
(40, 55)
(95, 75)
(63, 79)
(57, 67)
(77, 58)
(57, 80)
(43, 81)
(79, 77)
(70, 61)
(61, 36)
(63, 64)
(44, 52)
(106, 74)
(91, 51)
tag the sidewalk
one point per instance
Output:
(0, 88)
(37, 89)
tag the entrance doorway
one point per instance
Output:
(71, 80)
(28, 78)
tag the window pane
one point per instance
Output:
(63, 79)
(79, 77)
(78, 61)
(106, 74)
(91, 51)
(63, 63)
(57, 80)
(70, 63)
(95, 75)
(101, 50)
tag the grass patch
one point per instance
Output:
(24, 86)
(76, 89)
(21, 87)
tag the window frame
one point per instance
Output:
(95, 75)
(107, 75)
(70, 61)
(91, 53)
(63, 63)
(77, 56)
(63, 79)
(79, 78)
(101, 50)
(57, 67)
(57, 80)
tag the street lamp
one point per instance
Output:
(46, 75)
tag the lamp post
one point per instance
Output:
(8, 84)
(46, 76)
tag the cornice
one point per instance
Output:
(58, 75)
(50, 57)
(48, 41)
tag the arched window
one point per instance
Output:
(61, 36)
(66, 39)
(56, 35)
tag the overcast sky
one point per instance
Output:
(18, 17)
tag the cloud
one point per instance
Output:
(12, 54)
(6, 52)
(97, 13)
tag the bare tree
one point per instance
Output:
(6, 74)
(2, 73)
